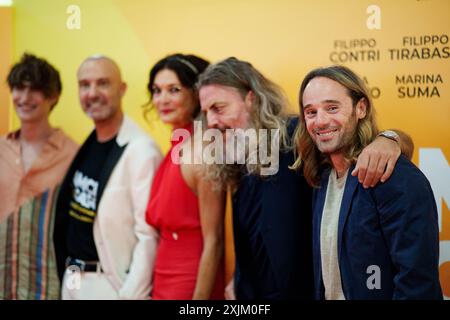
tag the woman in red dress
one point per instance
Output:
(184, 208)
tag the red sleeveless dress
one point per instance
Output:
(174, 211)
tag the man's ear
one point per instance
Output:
(361, 108)
(249, 99)
(123, 88)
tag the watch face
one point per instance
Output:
(390, 134)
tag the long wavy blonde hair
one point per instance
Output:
(308, 157)
(268, 110)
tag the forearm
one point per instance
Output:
(207, 272)
(138, 281)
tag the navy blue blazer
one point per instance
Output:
(392, 226)
(282, 204)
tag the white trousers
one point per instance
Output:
(87, 286)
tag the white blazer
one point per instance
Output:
(125, 243)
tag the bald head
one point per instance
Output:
(100, 88)
(105, 62)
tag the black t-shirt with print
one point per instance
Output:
(83, 204)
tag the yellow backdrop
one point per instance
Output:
(400, 47)
(6, 34)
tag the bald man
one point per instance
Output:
(104, 248)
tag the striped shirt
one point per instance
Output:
(27, 259)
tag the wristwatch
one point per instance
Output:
(390, 135)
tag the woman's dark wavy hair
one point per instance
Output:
(187, 68)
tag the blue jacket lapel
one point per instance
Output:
(319, 196)
(318, 205)
(350, 187)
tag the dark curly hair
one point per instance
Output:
(38, 74)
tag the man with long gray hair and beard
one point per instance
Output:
(271, 213)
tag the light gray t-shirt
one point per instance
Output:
(329, 237)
